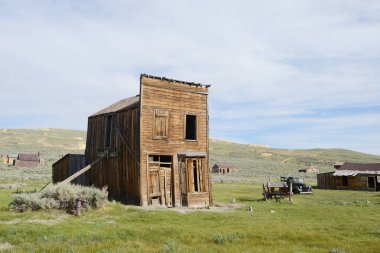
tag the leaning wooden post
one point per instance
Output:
(81, 171)
(290, 191)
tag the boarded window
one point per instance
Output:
(109, 122)
(191, 127)
(160, 127)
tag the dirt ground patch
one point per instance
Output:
(47, 222)
(217, 207)
(53, 221)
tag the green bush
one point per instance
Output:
(60, 196)
(228, 238)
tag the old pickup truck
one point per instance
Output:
(298, 185)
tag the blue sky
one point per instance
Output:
(289, 74)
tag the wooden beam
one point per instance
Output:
(80, 172)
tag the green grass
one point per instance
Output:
(323, 222)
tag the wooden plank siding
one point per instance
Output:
(178, 100)
(119, 171)
(325, 180)
(358, 182)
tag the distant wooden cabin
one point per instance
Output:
(224, 168)
(149, 149)
(351, 176)
(28, 160)
(11, 159)
(308, 169)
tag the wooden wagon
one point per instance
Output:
(277, 191)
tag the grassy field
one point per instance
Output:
(326, 221)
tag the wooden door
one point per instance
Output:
(192, 176)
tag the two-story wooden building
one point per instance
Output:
(151, 148)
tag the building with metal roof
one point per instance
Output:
(352, 176)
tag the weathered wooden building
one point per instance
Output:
(28, 160)
(224, 168)
(151, 148)
(351, 176)
(69, 165)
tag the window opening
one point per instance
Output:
(108, 131)
(345, 181)
(371, 182)
(195, 171)
(191, 127)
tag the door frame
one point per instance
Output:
(163, 198)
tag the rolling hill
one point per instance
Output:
(256, 163)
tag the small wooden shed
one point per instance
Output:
(224, 168)
(308, 169)
(351, 176)
(12, 158)
(151, 148)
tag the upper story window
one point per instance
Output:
(160, 124)
(190, 127)
(109, 127)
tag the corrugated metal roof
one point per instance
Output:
(355, 172)
(13, 155)
(28, 157)
(360, 166)
(120, 105)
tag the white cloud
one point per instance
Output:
(269, 62)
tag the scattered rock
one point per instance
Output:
(272, 211)
(233, 200)
(250, 209)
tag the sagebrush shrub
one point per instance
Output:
(60, 196)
